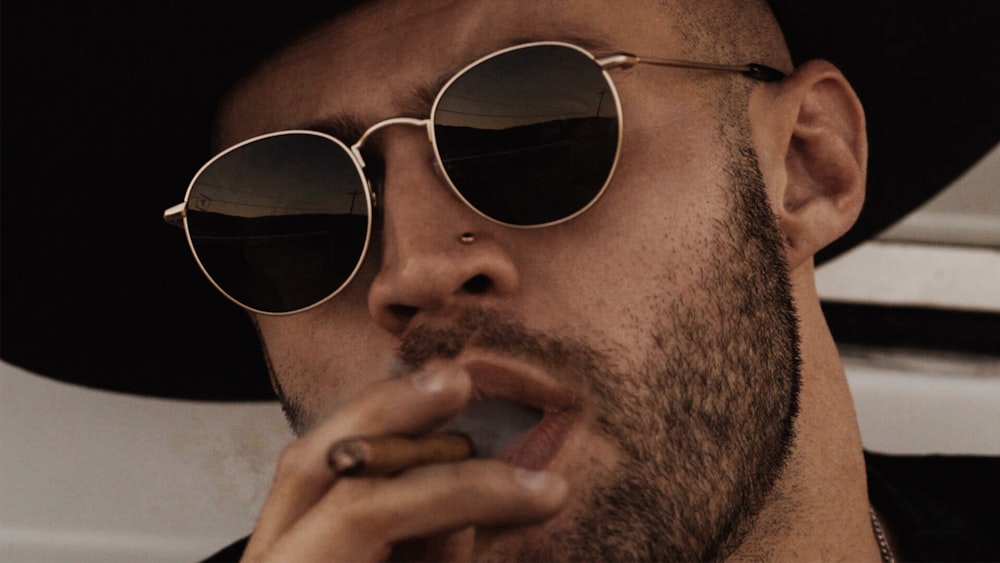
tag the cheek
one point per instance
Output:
(324, 356)
(613, 272)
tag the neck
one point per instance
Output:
(819, 508)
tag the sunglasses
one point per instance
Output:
(527, 136)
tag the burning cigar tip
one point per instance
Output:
(348, 456)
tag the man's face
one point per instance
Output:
(655, 331)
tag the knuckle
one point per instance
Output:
(298, 461)
(355, 513)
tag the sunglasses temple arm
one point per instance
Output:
(175, 215)
(752, 70)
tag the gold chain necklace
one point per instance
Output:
(883, 544)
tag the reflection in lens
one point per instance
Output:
(280, 223)
(530, 136)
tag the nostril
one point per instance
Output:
(403, 312)
(478, 284)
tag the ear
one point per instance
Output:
(810, 135)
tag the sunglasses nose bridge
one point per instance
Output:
(410, 121)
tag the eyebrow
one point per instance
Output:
(345, 127)
(425, 94)
(417, 103)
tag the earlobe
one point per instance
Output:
(824, 162)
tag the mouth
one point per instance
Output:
(517, 415)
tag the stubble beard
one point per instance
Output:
(704, 421)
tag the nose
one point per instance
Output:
(429, 263)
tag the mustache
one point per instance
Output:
(500, 333)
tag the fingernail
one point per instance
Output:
(430, 381)
(537, 481)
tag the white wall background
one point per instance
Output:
(89, 475)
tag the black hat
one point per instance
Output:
(104, 119)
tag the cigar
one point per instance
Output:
(383, 456)
(482, 430)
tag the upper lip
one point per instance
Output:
(515, 381)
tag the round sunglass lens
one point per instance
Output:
(530, 136)
(281, 222)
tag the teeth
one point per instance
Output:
(493, 424)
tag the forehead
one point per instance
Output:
(376, 62)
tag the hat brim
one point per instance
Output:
(104, 121)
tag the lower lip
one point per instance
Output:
(539, 446)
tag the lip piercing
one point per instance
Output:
(467, 238)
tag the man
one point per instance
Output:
(667, 332)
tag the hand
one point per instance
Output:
(427, 512)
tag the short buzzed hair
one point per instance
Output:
(730, 31)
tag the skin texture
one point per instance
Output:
(673, 329)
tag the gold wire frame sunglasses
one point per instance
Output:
(527, 136)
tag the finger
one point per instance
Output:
(406, 405)
(471, 493)
(409, 404)
(363, 518)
